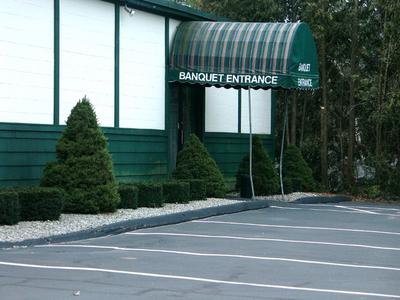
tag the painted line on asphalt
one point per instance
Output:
(297, 227)
(354, 206)
(330, 210)
(314, 262)
(357, 209)
(260, 239)
(199, 279)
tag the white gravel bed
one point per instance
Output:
(77, 222)
(69, 223)
(288, 197)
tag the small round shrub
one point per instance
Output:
(83, 168)
(128, 195)
(150, 194)
(296, 173)
(265, 178)
(194, 162)
(197, 189)
(176, 192)
(9, 208)
(40, 204)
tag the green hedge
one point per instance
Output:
(40, 204)
(197, 189)
(150, 195)
(9, 208)
(176, 192)
(129, 196)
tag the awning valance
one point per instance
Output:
(259, 55)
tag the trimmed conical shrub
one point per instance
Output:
(297, 175)
(194, 162)
(265, 178)
(83, 167)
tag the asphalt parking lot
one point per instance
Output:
(287, 251)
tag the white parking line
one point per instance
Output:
(357, 209)
(199, 279)
(314, 262)
(298, 227)
(354, 206)
(331, 210)
(261, 239)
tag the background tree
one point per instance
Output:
(354, 118)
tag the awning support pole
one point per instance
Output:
(251, 149)
(283, 142)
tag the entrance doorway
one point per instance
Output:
(186, 116)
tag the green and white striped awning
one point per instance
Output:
(234, 54)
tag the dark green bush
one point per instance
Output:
(150, 195)
(265, 178)
(296, 173)
(197, 189)
(83, 167)
(40, 204)
(128, 195)
(176, 192)
(385, 174)
(9, 208)
(194, 162)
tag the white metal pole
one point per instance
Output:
(251, 149)
(283, 142)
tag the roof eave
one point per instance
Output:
(170, 9)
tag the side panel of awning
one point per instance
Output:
(234, 54)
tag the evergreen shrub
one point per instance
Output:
(194, 162)
(176, 192)
(129, 196)
(83, 167)
(9, 208)
(40, 204)
(150, 194)
(197, 189)
(297, 174)
(265, 178)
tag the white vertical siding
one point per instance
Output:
(221, 111)
(260, 111)
(173, 25)
(142, 70)
(26, 61)
(87, 57)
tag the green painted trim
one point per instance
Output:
(231, 135)
(56, 87)
(167, 100)
(239, 110)
(170, 9)
(116, 64)
(59, 128)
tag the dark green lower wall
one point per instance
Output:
(228, 149)
(25, 149)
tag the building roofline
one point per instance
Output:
(171, 9)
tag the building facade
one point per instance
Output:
(116, 53)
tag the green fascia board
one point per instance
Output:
(171, 9)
